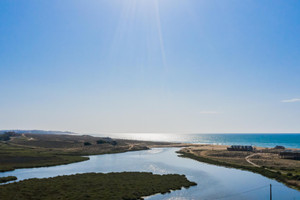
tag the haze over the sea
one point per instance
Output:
(167, 66)
(260, 140)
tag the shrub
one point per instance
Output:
(101, 141)
(87, 144)
(6, 136)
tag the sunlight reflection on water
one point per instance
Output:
(261, 140)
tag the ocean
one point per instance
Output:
(260, 140)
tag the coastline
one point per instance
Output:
(28, 150)
(52, 150)
(212, 181)
(289, 140)
(218, 155)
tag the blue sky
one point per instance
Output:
(169, 66)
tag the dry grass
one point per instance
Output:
(288, 170)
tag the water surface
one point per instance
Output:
(214, 182)
(261, 140)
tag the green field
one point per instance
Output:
(111, 186)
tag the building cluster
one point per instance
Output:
(285, 154)
(240, 148)
(290, 154)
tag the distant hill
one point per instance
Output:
(38, 132)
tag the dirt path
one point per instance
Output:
(247, 159)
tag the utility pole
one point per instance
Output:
(270, 191)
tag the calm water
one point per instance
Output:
(262, 140)
(214, 182)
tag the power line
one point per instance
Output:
(236, 194)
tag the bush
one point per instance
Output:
(6, 136)
(107, 141)
(296, 177)
(87, 144)
(101, 141)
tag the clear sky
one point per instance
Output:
(184, 66)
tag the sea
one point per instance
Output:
(260, 140)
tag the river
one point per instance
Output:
(214, 182)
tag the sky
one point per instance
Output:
(150, 66)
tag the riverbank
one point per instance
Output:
(264, 161)
(213, 182)
(41, 150)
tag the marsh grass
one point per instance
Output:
(111, 186)
(7, 179)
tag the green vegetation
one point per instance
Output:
(12, 157)
(111, 186)
(7, 135)
(107, 141)
(284, 178)
(87, 143)
(7, 178)
(28, 150)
